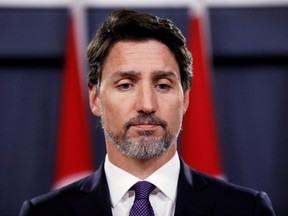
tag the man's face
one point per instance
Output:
(140, 99)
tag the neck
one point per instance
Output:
(141, 168)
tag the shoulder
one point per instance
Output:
(223, 196)
(62, 201)
(67, 193)
(238, 197)
(225, 189)
(59, 201)
(216, 186)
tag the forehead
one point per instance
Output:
(140, 56)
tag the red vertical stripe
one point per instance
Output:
(200, 145)
(74, 141)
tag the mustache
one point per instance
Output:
(144, 118)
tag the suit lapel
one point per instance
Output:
(193, 197)
(97, 198)
(192, 194)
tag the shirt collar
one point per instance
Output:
(165, 179)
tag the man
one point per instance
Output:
(139, 81)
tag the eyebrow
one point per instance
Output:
(129, 74)
(136, 75)
(163, 74)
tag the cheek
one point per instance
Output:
(174, 112)
(113, 115)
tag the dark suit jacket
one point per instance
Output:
(197, 195)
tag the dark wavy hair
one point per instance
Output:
(137, 26)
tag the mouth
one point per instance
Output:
(145, 122)
(146, 126)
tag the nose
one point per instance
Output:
(146, 100)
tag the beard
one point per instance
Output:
(146, 145)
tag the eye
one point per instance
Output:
(125, 86)
(163, 87)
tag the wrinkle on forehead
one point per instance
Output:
(149, 56)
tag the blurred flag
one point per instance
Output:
(74, 153)
(200, 144)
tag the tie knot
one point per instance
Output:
(143, 189)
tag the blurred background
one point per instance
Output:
(247, 53)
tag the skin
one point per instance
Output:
(139, 77)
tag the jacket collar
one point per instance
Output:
(97, 198)
(192, 194)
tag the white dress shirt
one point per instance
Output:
(162, 198)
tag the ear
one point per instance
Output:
(94, 101)
(186, 100)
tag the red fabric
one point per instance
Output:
(200, 145)
(74, 153)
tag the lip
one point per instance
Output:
(146, 126)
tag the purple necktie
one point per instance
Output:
(142, 206)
